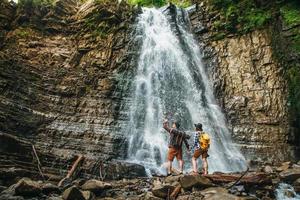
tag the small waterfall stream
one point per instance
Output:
(172, 79)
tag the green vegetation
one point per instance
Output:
(22, 33)
(159, 3)
(290, 13)
(34, 3)
(240, 16)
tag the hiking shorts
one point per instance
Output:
(200, 152)
(174, 152)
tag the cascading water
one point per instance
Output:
(171, 79)
(286, 192)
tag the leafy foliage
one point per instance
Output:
(291, 13)
(33, 3)
(240, 16)
(291, 17)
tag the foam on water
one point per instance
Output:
(286, 192)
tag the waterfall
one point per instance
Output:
(171, 80)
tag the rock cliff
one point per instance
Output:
(65, 73)
(250, 86)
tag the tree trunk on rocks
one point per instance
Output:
(250, 179)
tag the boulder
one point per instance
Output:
(117, 170)
(215, 193)
(10, 197)
(290, 174)
(27, 187)
(54, 198)
(72, 193)
(150, 196)
(296, 185)
(2, 188)
(96, 186)
(194, 195)
(88, 195)
(268, 169)
(284, 166)
(172, 179)
(162, 191)
(49, 188)
(189, 181)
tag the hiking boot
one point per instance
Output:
(194, 173)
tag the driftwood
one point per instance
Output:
(38, 162)
(253, 178)
(73, 171)
(175, 192)
(238, 180)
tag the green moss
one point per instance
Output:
(218, 36)
(291, 13)
(240, 16)
(291, 17)
(294, 89)
(22, 33)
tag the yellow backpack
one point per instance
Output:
(204, 140)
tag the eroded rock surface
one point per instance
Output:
(65, 75)
(250, 87)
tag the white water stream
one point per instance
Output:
(172, 79)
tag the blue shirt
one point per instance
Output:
(196, 144)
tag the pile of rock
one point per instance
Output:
(260, 184)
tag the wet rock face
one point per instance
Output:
(65, 75)
(249, 86)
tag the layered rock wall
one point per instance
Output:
(65, 74)
(250, 86)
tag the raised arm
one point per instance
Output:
(186, 143)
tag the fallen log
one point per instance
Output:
(175, 192)
(73, 172)
(238, 180)
(253, 178)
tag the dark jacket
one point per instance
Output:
(177, 137)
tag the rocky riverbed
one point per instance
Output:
(253, 184)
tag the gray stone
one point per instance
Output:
(72, 193)
(284, 166)
(290, 174)
(216, 193)
(189, 181)
(268, 169)
(162, 191)
(96, 186)
(171, 179)
(88, 195)
(27, 187)
(10, 197)
(50, 188)
(150, 196)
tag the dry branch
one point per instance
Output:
(74, 170)
(38, 162)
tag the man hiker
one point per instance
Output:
(175, 144)
(200, 146)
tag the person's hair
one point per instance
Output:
(198, 127)
(176, 124)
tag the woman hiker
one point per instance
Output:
(200, 146)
